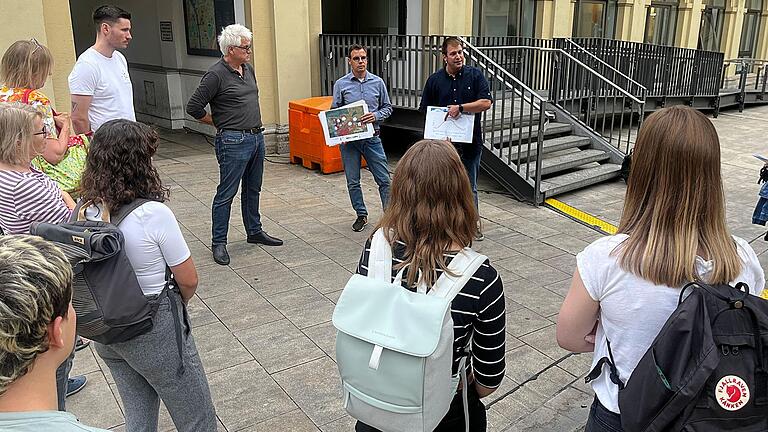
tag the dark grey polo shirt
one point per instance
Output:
(234, 98)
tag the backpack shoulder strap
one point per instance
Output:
(380, 257)
(118, 216)
(463, 266)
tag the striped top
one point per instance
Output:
(478, 317)
(27, 197)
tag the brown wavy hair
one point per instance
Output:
(119, 166)
(430, 208)
(674, 208)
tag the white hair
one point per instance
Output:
(232, 35)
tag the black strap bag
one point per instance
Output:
(107, 298)
(705, 371)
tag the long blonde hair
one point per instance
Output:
(17, 133)
(26, 64)
(430, 208)
(674, 207)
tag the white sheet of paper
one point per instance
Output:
(458, 129)
(345, 125)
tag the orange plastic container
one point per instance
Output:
(305, 136)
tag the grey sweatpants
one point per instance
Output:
(146, 370)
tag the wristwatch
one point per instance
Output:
(461, 108)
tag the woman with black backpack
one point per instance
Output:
(672, 231)
(162, 364)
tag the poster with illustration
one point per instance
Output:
(439, 125)
(344, 124)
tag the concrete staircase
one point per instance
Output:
(572, 157)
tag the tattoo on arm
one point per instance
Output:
(74, 106)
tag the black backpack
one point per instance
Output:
(706, 369)
(107, 297)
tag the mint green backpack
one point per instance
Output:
(394, 347)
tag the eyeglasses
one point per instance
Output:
(46, 130)
(360, 59)
(246, 48)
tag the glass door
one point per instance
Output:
(711, 29)
(750, 29)
(595, 19)
(661, 23)
(507, 18)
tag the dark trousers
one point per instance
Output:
(470, 154)
(602, 420)
(62, 377)
(454, 420)
(241, 160)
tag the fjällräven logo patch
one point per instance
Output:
(731, 393)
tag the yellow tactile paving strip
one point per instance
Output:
(580, 216)
(589, 220)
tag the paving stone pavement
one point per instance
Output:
(262, 325)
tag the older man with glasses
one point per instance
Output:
(360, 84)
(230, 88)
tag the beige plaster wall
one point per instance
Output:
(554, 18)
(286, 52)
(447, 17)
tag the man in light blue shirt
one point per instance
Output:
(352, 87)
(37, 334)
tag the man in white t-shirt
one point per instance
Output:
(99, 83)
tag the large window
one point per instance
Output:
(711, 29)
(595, 18)
(661, 23)
(751, 28)
(506, 17)
(364, 16)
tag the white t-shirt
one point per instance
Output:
(633, 310)
(106, 79)
(152, 239)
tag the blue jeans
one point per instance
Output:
(373, 152)
(470, 156)
(241, 158)
(602, 420)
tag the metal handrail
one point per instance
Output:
(745, 60)
(622, 74)
(577, 61)
(534, 100)
(507, 74)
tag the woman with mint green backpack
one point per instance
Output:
(429, 221)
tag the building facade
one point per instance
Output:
(174, 40)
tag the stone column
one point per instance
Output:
(688, 23)
(447, 17)
(630, 20)
(554, 18)
(734, 20)
(285, 53)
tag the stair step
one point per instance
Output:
(579, 179)
(507, 135)
(554, 164)
(548, 146)
(499, 123)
